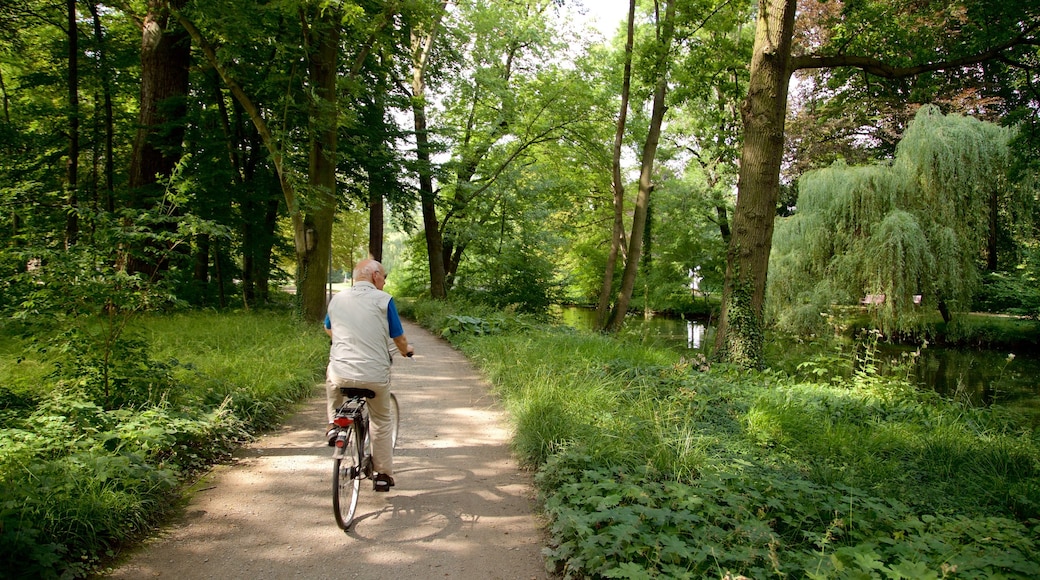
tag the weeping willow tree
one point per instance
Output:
(915, 227)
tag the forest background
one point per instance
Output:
(168, 154)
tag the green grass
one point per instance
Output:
(261, 361)
(650, 467)
(80, 477)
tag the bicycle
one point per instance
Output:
(352, 457)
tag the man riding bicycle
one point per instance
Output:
(361, 322)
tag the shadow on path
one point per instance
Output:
(461, 507)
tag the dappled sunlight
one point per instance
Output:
(461, 508)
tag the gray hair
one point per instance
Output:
(365, 269)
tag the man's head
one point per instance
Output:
(370, 271)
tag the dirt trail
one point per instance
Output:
(461, 507)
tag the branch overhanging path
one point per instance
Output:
(461, 507)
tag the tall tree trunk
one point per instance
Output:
(106, 91)
(72, 167)
(646, 172)
(428, 197)
(617, 234)
(313, 263)
(165, 58)
(421, 47)
(740, 337)
(378, 185)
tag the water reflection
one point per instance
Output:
(694, 334)
(658, 330)
(978, 377)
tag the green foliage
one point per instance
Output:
(77, 311)
(80, 477)
(469, 325)
(1016, 292)
(915, 227)
(627, 524)
(519, 276)
(652, 467)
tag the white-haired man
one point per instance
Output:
(361, 322)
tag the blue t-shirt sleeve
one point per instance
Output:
(328, 322)
(395, 321)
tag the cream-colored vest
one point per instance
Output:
(360, 334)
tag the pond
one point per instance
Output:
(981, 377)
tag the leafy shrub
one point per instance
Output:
(735, 519)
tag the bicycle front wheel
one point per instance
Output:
(347, 472)
(395, 425)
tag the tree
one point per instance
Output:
(165, 56)
(913, 227)
(740, 331)
(312, 263)
(423, 35)
(504, 101)
(991, 30)
(312, 209)
(662, 49)
(617, 186)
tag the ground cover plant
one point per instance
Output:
(80, 476)
(652, 466)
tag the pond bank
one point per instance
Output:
(981, 376)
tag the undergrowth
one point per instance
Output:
(79, 476)
(650, 466)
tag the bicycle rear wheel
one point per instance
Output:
(395, 425)
(347, 471)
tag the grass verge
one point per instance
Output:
(80, 477)
(650, 466)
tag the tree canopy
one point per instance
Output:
(913, 227)
(532, 161)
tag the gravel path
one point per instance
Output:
(461, 507)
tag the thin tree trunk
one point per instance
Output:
(265, 252)
(375, 219)
(106, 94)
(617, 235)
(635, 239)
(421, 47)
(739, 337)
(72, 167)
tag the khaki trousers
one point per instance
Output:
(378, 413)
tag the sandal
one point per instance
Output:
(382, 482)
